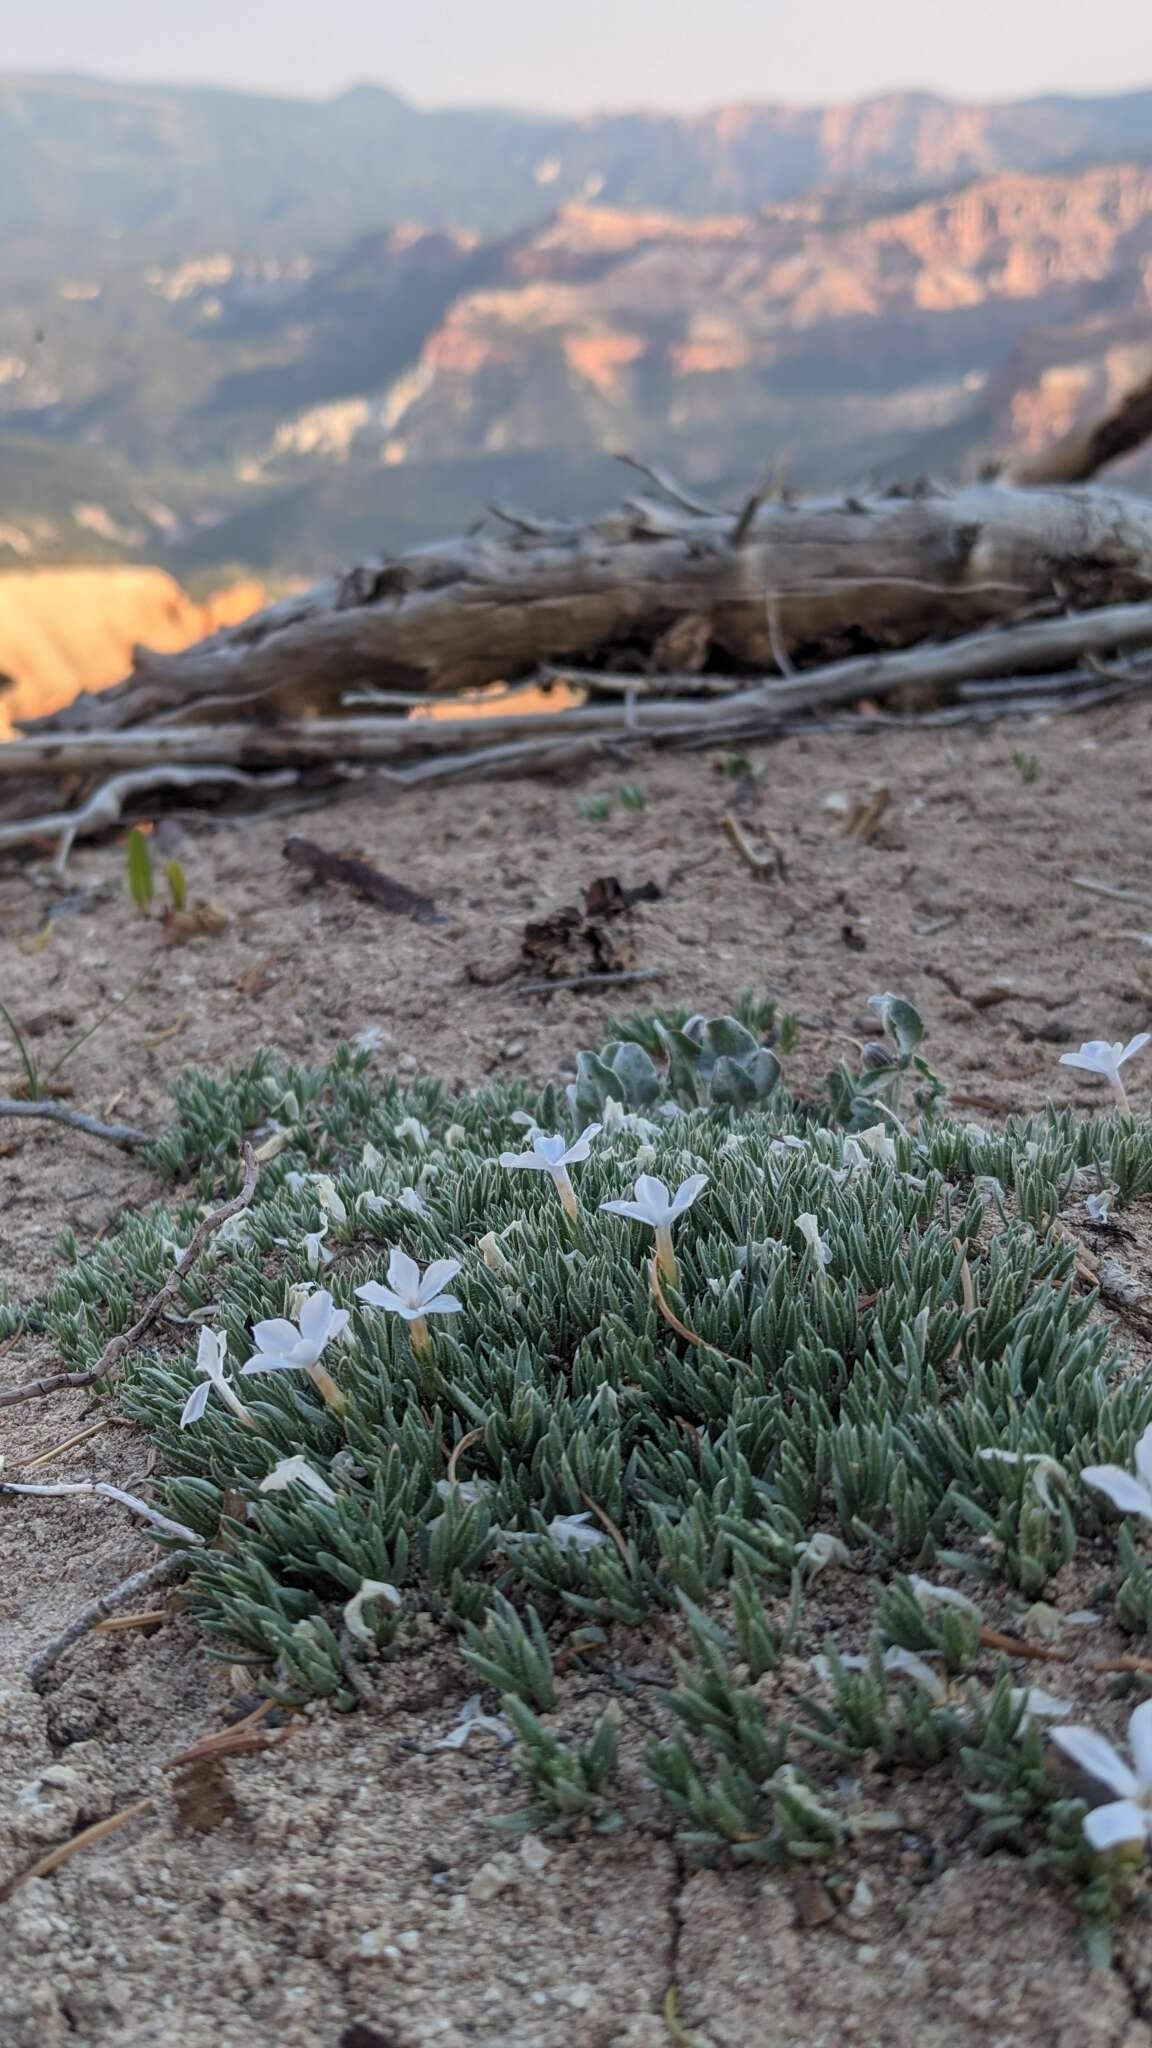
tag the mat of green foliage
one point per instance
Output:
(864, 1308)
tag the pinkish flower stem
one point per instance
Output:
(666, 1257)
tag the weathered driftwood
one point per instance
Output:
(773, 587)
(1080, 454)
(746, 708)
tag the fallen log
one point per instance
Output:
(745, 709)
(771, 588)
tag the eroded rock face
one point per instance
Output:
(67, 630)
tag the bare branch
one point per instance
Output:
(172, 1565)
(125, 1135)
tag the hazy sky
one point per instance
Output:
(581, 54)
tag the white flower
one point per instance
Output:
(282, 1346)
(809, 1229)
(573, 1532)
(1038, 1705)
(821, 1550)
(1128, 1818)
(1046, 1472)
(371, 1038)
(1099, 1206)
(1097, 1056)
(567, 1532)
(652, 1204)
(315, 1250)
(293, 1471)
(413, 1201)
(411, 1127)
(549, 1153)
(878, 1140)
(370, 1589)
(371, 1159)
(929, 1595)
(409, 1295)
(473, 1722)
(210, 1357)
(325, 1186)
(902, 1663)
(1133, 1496)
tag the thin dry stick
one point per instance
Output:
(65, 1851)
(606, 1520)
(82, 1436)
(117, 1624)
(1046, 1653)
(761, 864)
(169, 1566)
(547, 988)
(139, 1507)
(125, 1135)
(119, 1347)
(465, 1444)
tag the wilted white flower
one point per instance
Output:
(413, 1296)
(652, 1204)
(568, 1532)
(809, 1229)
(1097, 1056)
(297, 1471)
(1038, 1705)
(473, 1721)
(282, 1346)
(1127, 1818)
(371, 1158)
(370, 1039)
(896, 1662)
(1099, 1206)
(549, 1153)
(210, 1356)
(455, 1136)
(821, 1550)
(370, 1589)
(929, 1595)
(469, 1491)
(1045, 1473)
(413, 1201)
(315, 1250)
(878, 1140)
(325, 1186)
(411, 1127)
(1133, 1496)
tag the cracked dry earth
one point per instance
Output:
(341, 1889)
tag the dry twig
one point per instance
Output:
(170, 1566)
(126, 1136)
(119, 1347)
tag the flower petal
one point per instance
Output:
(633, 1210)
(196, 1403)
(651, 1195)
(403, 1274)
(270, 1361)
(1140, 1741)
(1142, 1459)
(1134, 1046)
(383, 1297)
(277, 1336)
(531, 1159)
(582, 1146)
(686, 1193)
(1099, 1757)
(439, 1273)
(1122, 1490)
(1106, 1827)
(211, 1352)
(442, 1305)
(549, 1148)
(316, 1318)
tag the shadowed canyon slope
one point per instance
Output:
(394, 317)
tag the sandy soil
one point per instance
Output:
(341, 1891)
